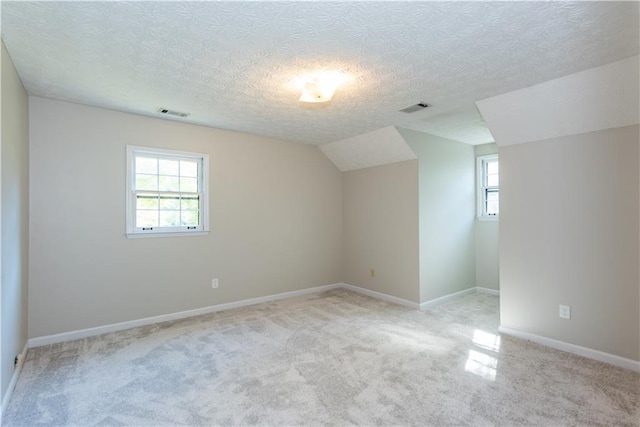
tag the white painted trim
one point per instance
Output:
(446, 298)
(114, 327)
(480, 187)
(489, 291)
(14, 379)
(381, 296)
(493, 218)
(590, 353)
(166, 234)
(131, 231)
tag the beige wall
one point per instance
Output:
(275, 214)
(569, 229)
(14, 227)
(486, 232)
(380, 229)
(447, 212)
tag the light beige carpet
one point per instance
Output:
(336, 358)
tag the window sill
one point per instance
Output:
(166, 234)
(488, 218)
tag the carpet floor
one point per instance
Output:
(335, 358)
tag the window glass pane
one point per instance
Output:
(146, 218)
(189, 218)
(492, 208)
(169, 183)
(165, 193)
(189, 185)
(168, 167)
(492, 167)
(146, 165)
(169, 218)
(170, 202)
(188, 168)
(488, 185)
(147, 201)
(146, 182)
(190, 203)
(492, 202)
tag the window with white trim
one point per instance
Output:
(166, 192)
(488, 187)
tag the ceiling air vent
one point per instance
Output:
(172, 113)
(414, 108)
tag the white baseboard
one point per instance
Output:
(14, 379)
(446, 298)
(489, 291)
(590, 353)
(425, 305)
(114, 327)
(381, 296)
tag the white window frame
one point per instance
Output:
(203, 185)
(481, 162)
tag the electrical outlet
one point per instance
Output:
(565, 312)
(214, 283)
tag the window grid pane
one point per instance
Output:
(147, 165)
(146, 218)
(492, 201)
(167, 210)
(168, 167)
(168, 183)
(190, 218)
(146, 182)
(166, 192)
(147, 201)
(170, 202)
(189, 185)
(492, 167)
(488, 186)
(188, 168)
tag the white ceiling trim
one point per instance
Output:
(380, 147)
(599, 98)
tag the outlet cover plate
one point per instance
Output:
(565, 312)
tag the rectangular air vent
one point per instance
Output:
(172, 113)
(414, 108)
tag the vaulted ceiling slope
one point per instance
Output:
(599, 98)
(379, 147)
(232, 65)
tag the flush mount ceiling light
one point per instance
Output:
(317, 90)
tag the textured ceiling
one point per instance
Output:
(232, 65)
